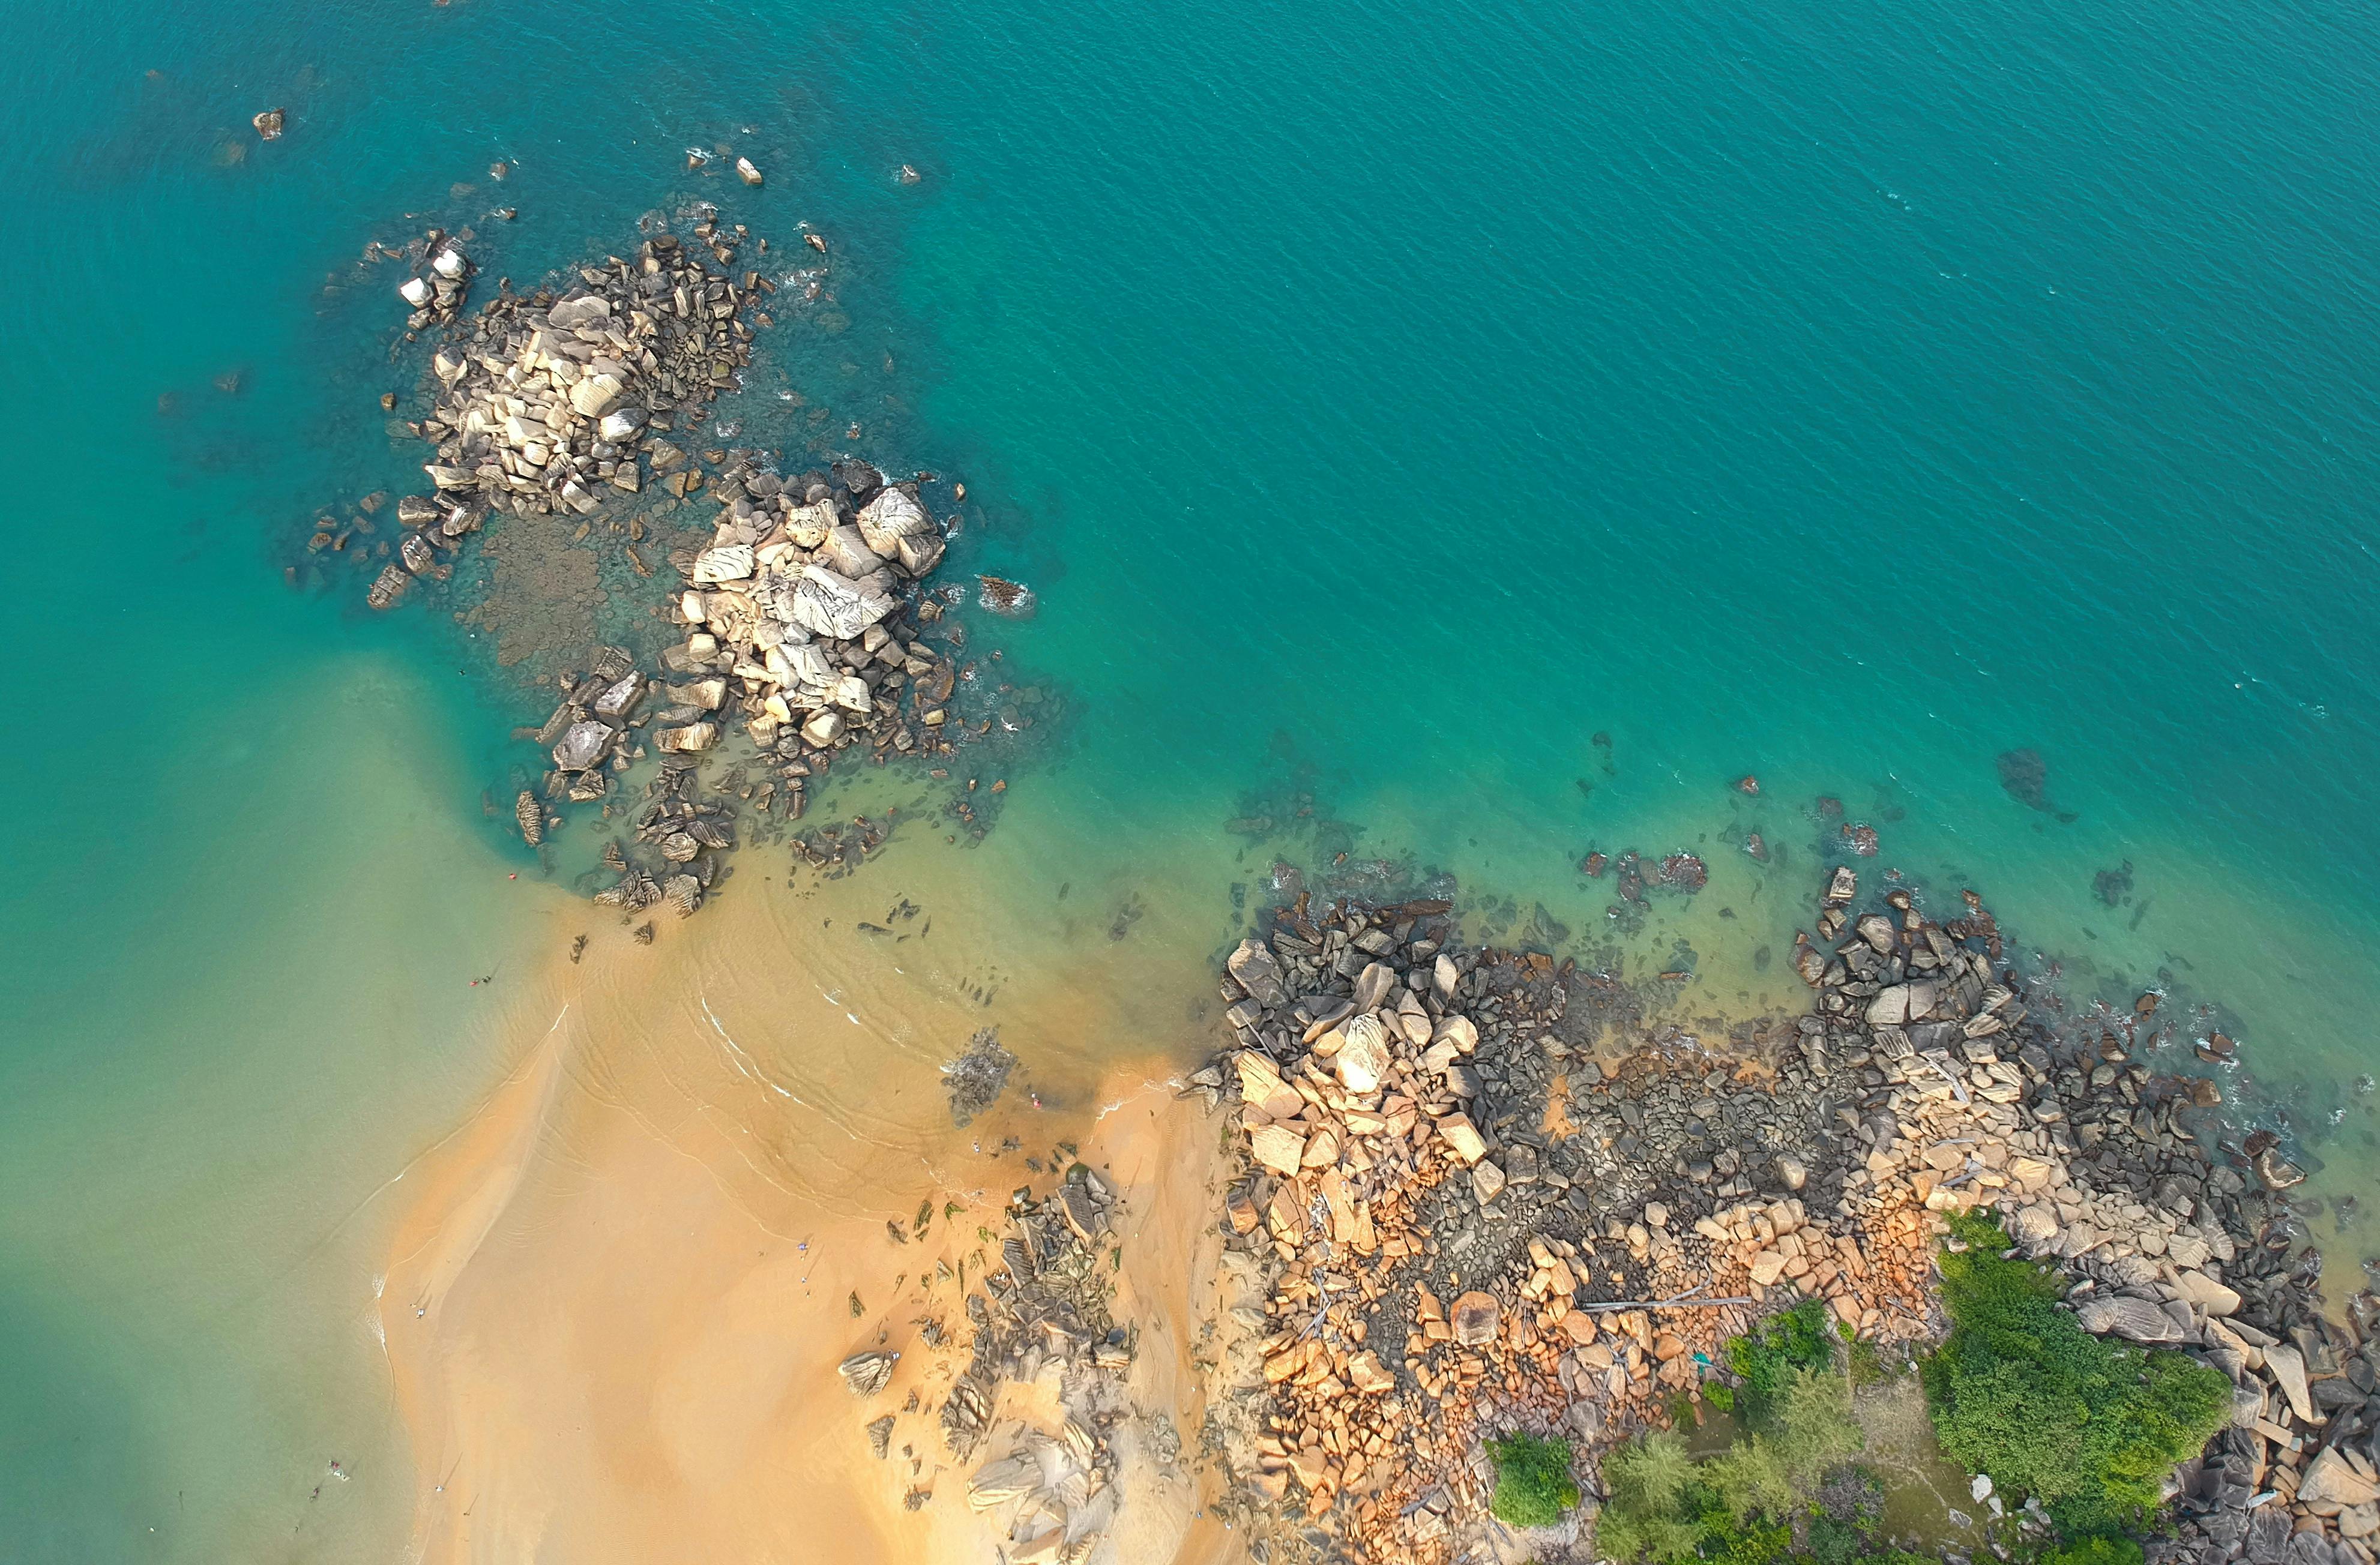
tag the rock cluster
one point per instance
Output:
(1044, 1311)
(801, 619)
(438, 291)
(1455, 1222)
(554, 394)
(797, 602)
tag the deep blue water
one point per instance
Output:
(1384, 400)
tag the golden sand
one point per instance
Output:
(616, 1298)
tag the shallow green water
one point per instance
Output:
(1383, 402)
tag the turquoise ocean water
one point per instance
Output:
(1385, 402)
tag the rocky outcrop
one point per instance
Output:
(1612, 1223)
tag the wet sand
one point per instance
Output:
(616, 1297)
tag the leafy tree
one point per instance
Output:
(1532, 1482)
(1647, 1516)
(2020, 1391)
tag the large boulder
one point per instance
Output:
(2287, 1366)
(1898, 1003)
(808, 525)
(834, 606)
(2135, 1320)
(890, 517)
(1363, 1059)
(1474, 1318)
(620, 696)
(582, 745)
(596, 395)
(2033, 1227)
(692, 738)
(847, 552)
(921, 553)
(2333, 1480)
(1258, 972)
(571, 313)
(2197, 1288)
(730, 562)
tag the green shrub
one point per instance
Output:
(1800, 1338)
(2020, 1391)
(1533, 1481)
(1720, 1396)
(2096, 1551)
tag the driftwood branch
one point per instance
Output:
(1681, 1302)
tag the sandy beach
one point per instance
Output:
(616, 1298)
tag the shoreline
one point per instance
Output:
(649, 1184)
(1568, 1239)
(618, 1295)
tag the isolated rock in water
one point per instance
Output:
(1013, 599)
(389, 586)
(582, 746)
(1258, 972)
(2025, 776)
(869, 1373)
(530, 817)
(268, 124)
(975, 1078)
(751, 175)
(2275, 1172)
(1684, 871)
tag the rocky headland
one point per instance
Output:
(1465, 1211)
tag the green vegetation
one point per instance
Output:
(2020, 1392)
(1800, 1339)
(1533, 1481)
(1741, 1506)
(2096, 1551)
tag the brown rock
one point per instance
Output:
(1475, 1317)
(1462, 1137)
(1366, 1372)
(2332, 1480)
(1261, 1084)
(1277, 1148)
